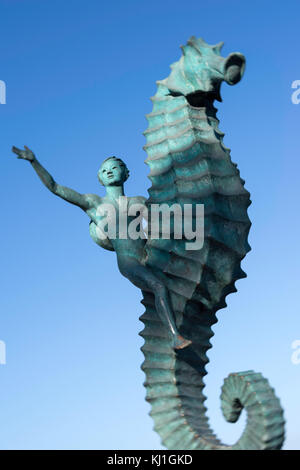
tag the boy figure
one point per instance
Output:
(130, 253)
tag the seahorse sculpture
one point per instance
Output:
(190, 164)
(184, 288)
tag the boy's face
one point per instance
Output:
(112, 173)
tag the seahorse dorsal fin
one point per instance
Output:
(218, 47)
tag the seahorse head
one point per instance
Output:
(201, 70)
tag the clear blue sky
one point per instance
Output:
(79, 76)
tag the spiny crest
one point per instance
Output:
(201, 47)
(202, 69)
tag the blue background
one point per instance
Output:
(79, 76)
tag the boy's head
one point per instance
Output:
(113, 172)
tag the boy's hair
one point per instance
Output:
(121, 164)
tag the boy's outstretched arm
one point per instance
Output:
(84, 201)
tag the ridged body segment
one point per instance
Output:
(189, 164)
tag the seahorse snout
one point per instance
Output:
(234, 67)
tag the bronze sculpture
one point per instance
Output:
(183, 289)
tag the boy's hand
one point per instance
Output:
(26, 154)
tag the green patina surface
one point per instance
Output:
(190, 164)
(183, 289)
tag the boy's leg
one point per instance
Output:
(143, 278)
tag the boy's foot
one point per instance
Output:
(180, 342)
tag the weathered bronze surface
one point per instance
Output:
(183, 289)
